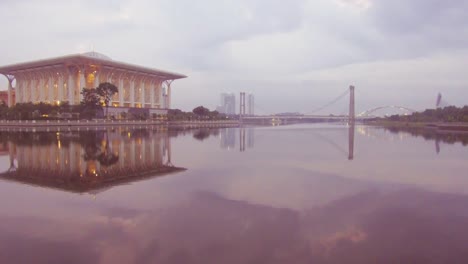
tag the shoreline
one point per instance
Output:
(430, 126)
(72, 125)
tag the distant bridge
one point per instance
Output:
(314, 117)
(303, 118)
(402, 108)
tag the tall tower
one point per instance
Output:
(351, 104)
(351, 141)
(250, 104)
(241, 105)
(351, 123)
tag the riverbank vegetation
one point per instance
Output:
(90, 106)
(41, 111)
(447, 114)
(198, 113)
(431, 134)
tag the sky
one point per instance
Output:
(294, 55)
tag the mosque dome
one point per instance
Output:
(96, 55)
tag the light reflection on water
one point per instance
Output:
(292, 194)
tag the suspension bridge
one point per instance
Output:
(313, 115)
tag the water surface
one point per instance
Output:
(289, 194)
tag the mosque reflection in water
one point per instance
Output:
(87, 161)
(95, 160)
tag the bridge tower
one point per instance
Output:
(351, 120)
(352, 113)
(242, 139)
(351, 141)
(241, 106)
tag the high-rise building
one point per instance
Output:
(250, 104)
(228, 104)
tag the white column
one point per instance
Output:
(82, 84)
(27, 90)
(10, 87)
(82, 80)
(19, 84)
(60, 88)
(51, 89)
(142, 93)
(97, 79)
(71, 89)
(132, 93)
(161, 95)
(24, 90)
(20, 90)
(168, 98)
(33, 90)
(152, 91)
(121, 92)
(41, 89)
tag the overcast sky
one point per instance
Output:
(293, 55)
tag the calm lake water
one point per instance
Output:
(309, 193)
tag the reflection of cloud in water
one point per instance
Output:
(369, 227)
(328, 243)
(294, 188)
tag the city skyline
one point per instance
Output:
(296, 58)
(228, 104)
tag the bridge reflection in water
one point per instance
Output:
(247, 138)
(90, 161)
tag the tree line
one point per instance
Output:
(198, 113)
(90, 106)
(446, 114)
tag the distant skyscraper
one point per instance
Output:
(250, 104)
(228, 104)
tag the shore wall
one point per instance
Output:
(72, 125)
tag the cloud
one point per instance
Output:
(419, 27)
(258, 45)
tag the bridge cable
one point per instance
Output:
(325, 139)
(330, 103)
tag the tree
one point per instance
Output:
(201, 111)
(201, 134)
(106, 90)
(3, 109)
(91, 102)
(91, 142)
(107, 158)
